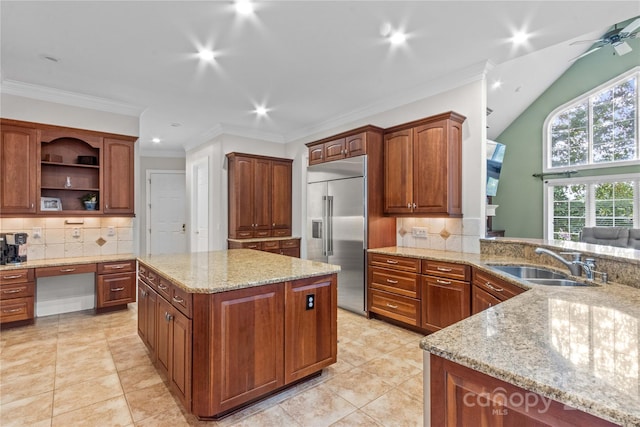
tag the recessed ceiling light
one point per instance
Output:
(244, 7)
(496, 84)
(397, 37)
(206, 54)
(261, 110)
(519, 37)
(155, 140)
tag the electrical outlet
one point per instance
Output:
(111, 231)
(36, 232)
(76, 232)
(420, 232)
(311, 301)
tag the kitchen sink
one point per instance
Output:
(556, 282)
(526, 272)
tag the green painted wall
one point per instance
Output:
(520, 196)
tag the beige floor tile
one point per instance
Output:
(357, 354)
(413, 387)
(396, 409)
(12, 368)
(29, 411)
(72, 372)
(272, 417)
(173, 417)
(128, 352)
(141, 376)
(356, 419)
(147, 402)
(358, 387)
(113, 412)
(317, 407)
(86, 393)
(25, 385)
(391, 369)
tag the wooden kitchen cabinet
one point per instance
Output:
(282, 246)
(461, 396)
(423, 167)
(17, 293)
(18, 160)
(259, 196)
(118, 196)
(446, 294)
(489, 290)
(147, 301)
(115, 284)
(310, 305)
(348, 144)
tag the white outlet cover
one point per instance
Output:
(36, 232)
(420, 232)
(111, 231)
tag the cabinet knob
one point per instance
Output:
(414, 206)
(409, 205)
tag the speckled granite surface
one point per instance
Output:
(220, 271)
(55, 262)
(577, 345)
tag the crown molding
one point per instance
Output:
(225, 129)
(43, 93)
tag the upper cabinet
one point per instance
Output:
(348, 144)
(259, 196)
(61, 167)
(423, 167)
(18, 154)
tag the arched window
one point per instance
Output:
(598, 129)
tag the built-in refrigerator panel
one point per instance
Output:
(336, 225)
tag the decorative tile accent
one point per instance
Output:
(402, 232)
(101, 241)
(445, 234)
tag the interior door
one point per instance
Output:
(167, 212)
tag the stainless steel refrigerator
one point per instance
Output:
(336, 225)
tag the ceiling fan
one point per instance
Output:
(616, 38)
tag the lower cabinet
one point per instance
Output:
(17, 293)
(461, 396)
(489, 290)
(147, 300)
(446, 294)
(115, 284)
(289, 246)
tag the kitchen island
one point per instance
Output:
(227, 328)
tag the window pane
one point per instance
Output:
(614, 204)
(569, 211)
(570, 137)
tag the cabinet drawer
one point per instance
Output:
(164, 288)
(17, 290)
(116, 267)
(397, 282)
(116, 289)
(262, 233)
(16, 276)
(16, 309)
(497, 287)
(270, 245)
(244, 234)
(292, 252)
(395, 262)
(396, 307)
(291, 243)
(181, 300)
(65, 269)
(446, 269)
(281, 232)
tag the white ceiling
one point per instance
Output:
(314, 64)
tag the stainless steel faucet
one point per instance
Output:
(575, 266)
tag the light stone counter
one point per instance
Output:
(577, 345)
(220, 271)
(58, 262)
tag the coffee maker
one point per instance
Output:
(13, 248)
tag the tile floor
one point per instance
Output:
(81, 369)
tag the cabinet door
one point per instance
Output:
(248, 341)
(116, 289)
(262, 196)
(118, 195)
(281, 197)
(310, 326)
(437, 168)
(164, 335)
(241, 196)
(334, 150)
(142, 311)
(398, 172)
(147, 317)
(444, 302)
(18, 160)
(356, 145)
(181, 357)
(481, 300)
(316, 154)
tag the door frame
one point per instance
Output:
(148, 202)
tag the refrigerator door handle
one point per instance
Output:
(325, 213)
(329, 225)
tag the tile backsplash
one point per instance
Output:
(58, 239)
(446, 234)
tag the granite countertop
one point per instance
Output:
(577, 345)
(220, 271)
(263, 239)
(55, 262)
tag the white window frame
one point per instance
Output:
(546, 130)
(590, 203)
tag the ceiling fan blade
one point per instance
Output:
(586, 41)
(585, 54)
(631, 27)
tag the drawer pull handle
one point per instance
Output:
(488, 285)
(13, 291)
(444, 282)
(13, 310)
(393, 282)
(178, 300)
(252, 246)
(117, 289)
(67, 270)
(151, 278)
(115, 267)
(163, 287)
(446, 270)
(15, 276)
(167, 316)
(143, 293)
(392, 261)
(392, 306)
